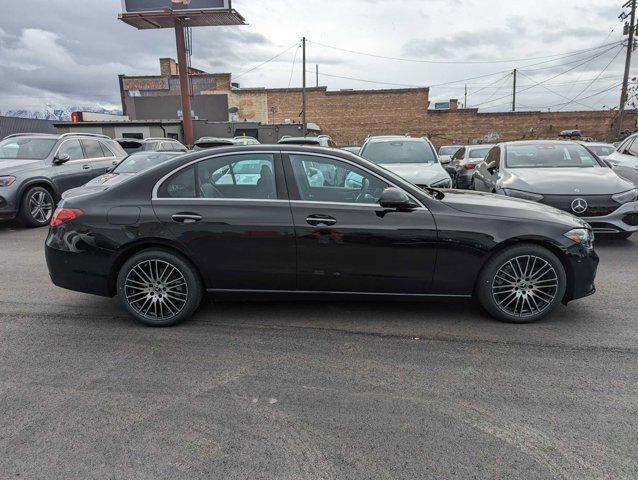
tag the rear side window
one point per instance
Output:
(179, 185)
(250, 176)
(106, 151)
(92, 149)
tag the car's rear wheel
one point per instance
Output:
(521, 284)
(36, 207)
(159, 288)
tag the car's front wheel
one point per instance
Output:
(36, 207)
(521, 284)
(159, 288)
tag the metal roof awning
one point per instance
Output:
(192, 18)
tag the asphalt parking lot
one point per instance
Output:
(307, 390)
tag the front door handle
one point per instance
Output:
(186, 217)
(114, 162)
(316, 220)
(86, 167)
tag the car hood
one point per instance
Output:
(478, 203)
(8, 166)
(565, 181)
(418, 173)
(98, 184)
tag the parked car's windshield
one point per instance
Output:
(448, 150)
(602, 150)
(399, 151)
(140, 161)
(26, 148)
(479, 152)
(549, 156)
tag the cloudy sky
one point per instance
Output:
(568, 53)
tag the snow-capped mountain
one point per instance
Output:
(57, 112)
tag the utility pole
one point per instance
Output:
(317, 73)
(465, 98)
(630, 47)
(303, 90)
(514, 92)
(184, 85)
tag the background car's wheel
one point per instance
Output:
(159, 288)
(36, 207)
(521, 284)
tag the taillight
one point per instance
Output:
(469, 166)
(64, 215)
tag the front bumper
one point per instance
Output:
(623, 219)
(8, 210)
(581, 271)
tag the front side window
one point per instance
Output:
(72, 148)
(329, 180)
(633, 148)
(494, 157)
(550, 156)
(26, 148)
(249, 176)
(399, 151)
(460, 153)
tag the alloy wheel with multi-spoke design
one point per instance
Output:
(41, 206)
(156, 289)
(525, 286)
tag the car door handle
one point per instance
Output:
(186, 217)
(114, 162)
(86, 167)
(316, 220)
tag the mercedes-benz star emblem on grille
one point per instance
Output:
(579, 205)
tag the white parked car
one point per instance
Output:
(624, 160)
(414, 159)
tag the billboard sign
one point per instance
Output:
(139, 6)
(146, 83)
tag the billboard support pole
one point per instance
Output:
(187, 117)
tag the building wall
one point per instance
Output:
(11, 125)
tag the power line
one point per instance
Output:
(268, 61)
(552, 91)
(292, 69)
(367, 80)
(608, 89)
(414, 60)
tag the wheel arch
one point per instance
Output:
(147, 244)
(39, 182)
(547, 243)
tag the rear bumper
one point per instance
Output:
(81, 271)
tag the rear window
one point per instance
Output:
(141, 161)
(602, 150)
(479, 152)
(399, 151)
(448, 150)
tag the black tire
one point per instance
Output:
(162, 299)
(36, 207)
(530, 289)
(623, 235)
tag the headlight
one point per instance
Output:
(446, 183)
(7, 181)
(626, 197)
(581, 236)
(534, 197)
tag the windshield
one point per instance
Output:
(602, 150)
(399, 151)
(140, 161)
(479, 152)
(26, 148)
(549, 156)
(449, 150)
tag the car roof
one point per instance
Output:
(309, 140)
(389, 138)
(597, 144)
(540, 142)
(479, 145)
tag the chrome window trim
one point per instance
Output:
(154, 196)
(183, 167)
(389, 182)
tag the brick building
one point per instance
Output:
(349, 115)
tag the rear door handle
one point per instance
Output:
(316, 220)
(86, 167)
(186, 217)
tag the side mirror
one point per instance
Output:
(397, 199)
(491, 167)
(60, 159)
(446, 161)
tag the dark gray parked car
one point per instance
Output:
(35, 169)
(132, 145)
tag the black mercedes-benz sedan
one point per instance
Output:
(307, 221)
